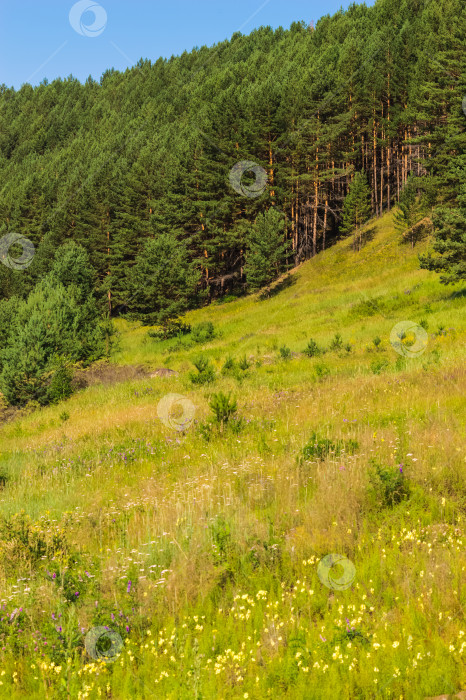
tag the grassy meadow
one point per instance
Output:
(200, 548)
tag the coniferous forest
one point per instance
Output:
(149, 153)
(232, 367)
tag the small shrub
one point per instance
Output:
(4, 476)
(220, 532)
(244, 364)
(377, 341)
(203, 332)
(205, 371)
(424, 324)
(336, 343)
(233, 369)
(320, 447)
(173, 328)
(60, 387)
(64, 416)
(322, 370)
(312, 349)
(377, 366)
(229, 366)
(367, 307)
(223, 407)
(285, 352)
(388, 485)
(236, 424)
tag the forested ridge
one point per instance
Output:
(148, 152)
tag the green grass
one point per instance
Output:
(220, 528)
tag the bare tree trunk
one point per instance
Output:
(325, 222)
(374, 160)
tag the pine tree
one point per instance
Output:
(266, 249)
(409, 211)
(356, 208)
(58, 324)
(162, 281)
(450, 242)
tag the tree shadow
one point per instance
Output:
(274, 289)
(459, 294)
(368, 235)
(359, 240)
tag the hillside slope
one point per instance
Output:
(201, 548)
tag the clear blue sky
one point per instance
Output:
(37, 40)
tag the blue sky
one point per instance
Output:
(37, 39)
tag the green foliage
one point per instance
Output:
(243, 364)
(285, 352)
(223, 407)
(409, 210)
(172, 328)
(203, 332)
(379, 365)
(220, 531)
(229, 366)
(167, 191)
(356, 207)
(267, 249)
(312, 349)
(319, 447)
(238, 370)
(55, 321)
(336, 343)
(162, 282)
(60, 387)
(205, 371)
(377, 342)
(388, 485)
(449, 246)
(322, 370)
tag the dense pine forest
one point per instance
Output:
(232, 367)
(148, 153)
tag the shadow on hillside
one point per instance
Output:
(359, 240)
(459, 294)
(274, 289)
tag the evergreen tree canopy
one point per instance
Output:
(55, 325)
(357, 206)
(112, 164)
(162, 283)
(267, 249)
